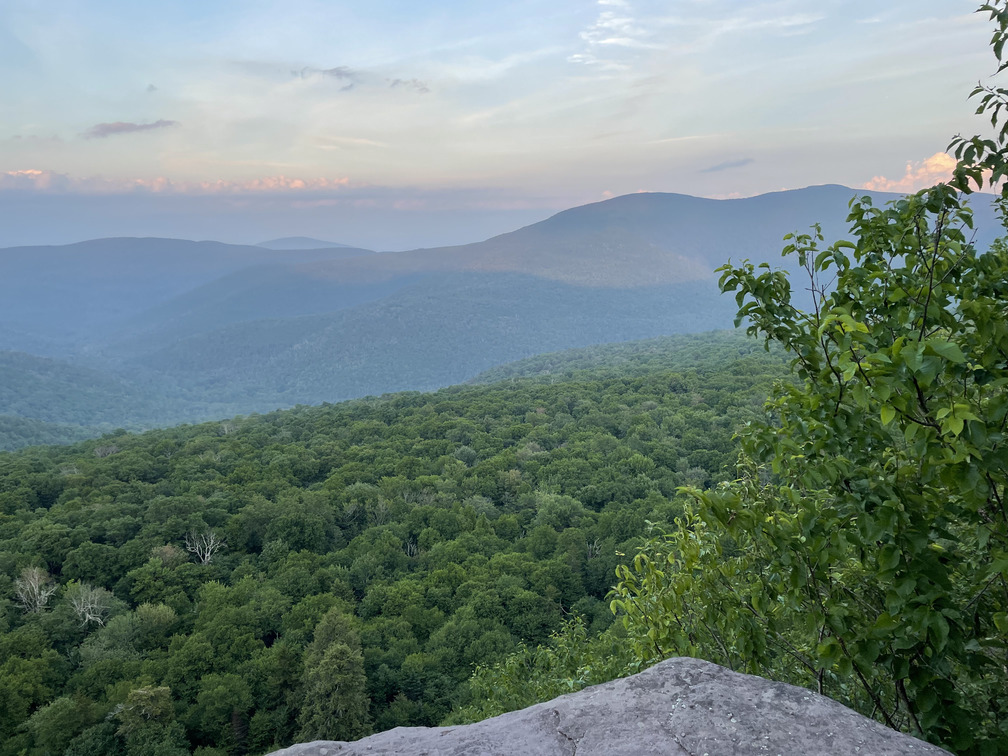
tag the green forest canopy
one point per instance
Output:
(211, 586)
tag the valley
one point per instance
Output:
(160, 331)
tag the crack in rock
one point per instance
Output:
(573, 741)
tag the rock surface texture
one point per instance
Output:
(682, 707)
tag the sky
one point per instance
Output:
(395, 123)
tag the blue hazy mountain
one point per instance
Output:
(214, 329)
(300, 242)
(75, 293)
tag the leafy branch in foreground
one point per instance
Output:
(863, 550)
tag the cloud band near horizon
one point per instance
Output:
(46, 181)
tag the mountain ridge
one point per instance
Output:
(215, 329)
(300, 242)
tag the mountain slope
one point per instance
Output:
(57, 392)
(430, 334)
(300, 242)
(256, 293)
(72, 293)
(214, 329)
(637, 240)
(640, 239)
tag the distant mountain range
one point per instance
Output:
(299, 242)
(145, 332)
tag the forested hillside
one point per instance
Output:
(18, 432)
(190, 331)
(631, 358)
(55, 391)
(239, 585)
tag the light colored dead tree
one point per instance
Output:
(33, 589)
(204, 545)
(378, 513)
(89, 603)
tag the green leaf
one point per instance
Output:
(888, 413)
(888, 558)
(884, 624)
(952, 425)
(1001, 621)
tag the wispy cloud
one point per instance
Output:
(347, 76)
(727, 165)
(919, 175)
(619, 31)
(615, 29)
(415, 84)
(116, 128)
(691, 35)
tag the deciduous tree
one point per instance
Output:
(864, 547)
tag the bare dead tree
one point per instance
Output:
(33, 589)
(106, 450)
(378, 513)
(89, 603)
(204, 545)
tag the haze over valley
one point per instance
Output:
(148, 332)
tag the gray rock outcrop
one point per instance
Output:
(682, 707)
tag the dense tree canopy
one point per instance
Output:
(236, 586)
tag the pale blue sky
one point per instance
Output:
(521, 107)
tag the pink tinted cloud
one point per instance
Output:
(919, 175)
(33, 179)
(264, 185)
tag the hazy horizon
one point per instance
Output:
(396, 126)
(418, 230)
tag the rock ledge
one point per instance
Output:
(681, 707)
